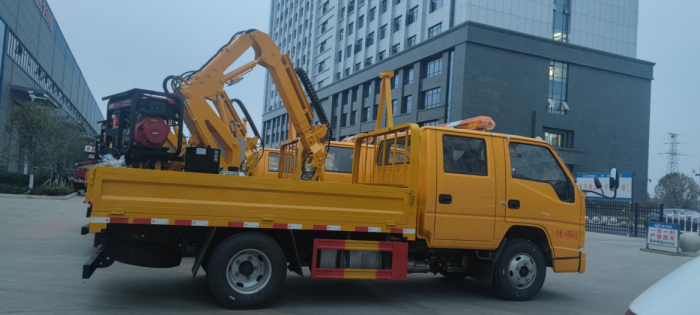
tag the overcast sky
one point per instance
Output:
(125, 44)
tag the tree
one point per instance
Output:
(49, 140)
(676, 190)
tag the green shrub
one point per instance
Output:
(12, 189)
(51, 190)
(14, 179)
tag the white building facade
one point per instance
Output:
(333, 39)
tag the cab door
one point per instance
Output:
(539, 191)
(466, 187)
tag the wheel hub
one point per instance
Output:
(522, 271)
(249, 271)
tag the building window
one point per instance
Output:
(347, 72)
(348, 52)
(558, 72)
(381, 55)
(370, 39)
(382, 32)
(345, 98)
(342, 13)
(394, 81)
(343, 120)
(339, 56)
(320, 84)
(324, 7)
(351, 7)
(412, 15)
(357, 66)
(395, 49)
(561, 21)
(360, 22)
(351, 28)
(431, 98)
(358, 45)
(355, 93)
(372, 13)
(368, 62)
(397, 24)
(406, 104)
(375, 111)
(341, 34)
(365, 115)
(435, 30)
(324, 26)
(334, 122)
(411, 41)
(322, 47)
(434, 5)
(360, 3)
(337, 76)
(383, 6)
(367, 91)
(353, 118)
(432, 123)
(321, 66)
(433, 67)
(559, 137)
(408, 76)
(394, 107)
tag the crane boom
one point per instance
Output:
(205, 85)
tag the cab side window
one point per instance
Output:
(273, 162)
(536, 163)
(464, 155)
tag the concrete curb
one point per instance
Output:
(14, 196)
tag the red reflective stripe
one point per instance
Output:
(398, 231)
(327, 273)
(385, 246)
(235, 224)
(279, 226)
(119, 220)
(361, 229)
(385, 274)
(142, 221)
(320, 227)
(183, 222)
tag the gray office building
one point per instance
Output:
(37, 64)
(563, 70)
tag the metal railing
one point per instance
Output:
(621, 217)
(388, 162)
(289, 160)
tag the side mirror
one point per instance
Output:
(598, 185)
(614, 179)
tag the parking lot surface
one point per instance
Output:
(42, 252)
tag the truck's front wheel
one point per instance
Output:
(520, 270)
(247, 271)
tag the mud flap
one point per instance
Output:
(103, 258)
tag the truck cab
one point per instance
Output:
(488, 187)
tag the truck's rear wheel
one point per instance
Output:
(247, 271)
(520, 270)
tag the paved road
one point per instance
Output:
(42, 251)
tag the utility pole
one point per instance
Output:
(672, 154)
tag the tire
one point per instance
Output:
(247, 271)
(454, 276)
(514, 278)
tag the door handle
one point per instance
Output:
(514, 204)
(445, 199)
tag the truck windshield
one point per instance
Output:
(339, 160)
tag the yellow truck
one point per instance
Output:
(433, 199)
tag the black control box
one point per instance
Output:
(202, 160)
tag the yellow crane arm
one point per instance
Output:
(207, 85)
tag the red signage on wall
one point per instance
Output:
(45, 12)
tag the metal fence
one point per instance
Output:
(621, 217)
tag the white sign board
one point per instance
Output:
(663, 234)
(585, 181)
